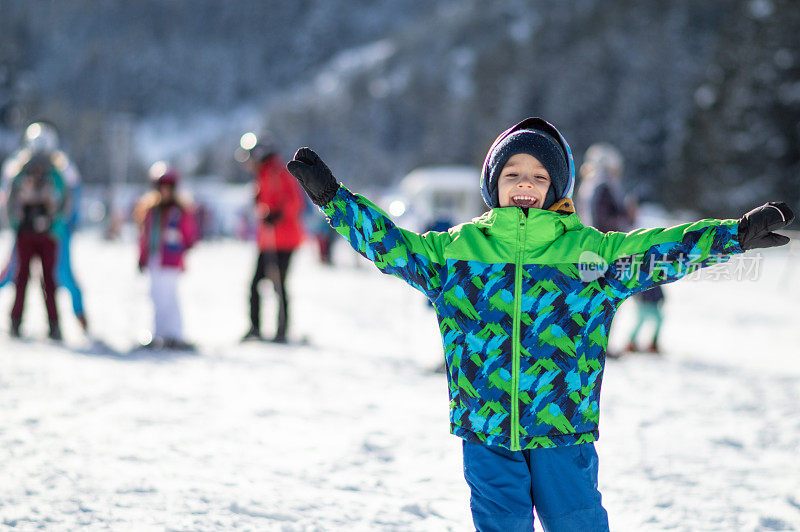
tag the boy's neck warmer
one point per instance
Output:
(562, 206)
(537, 144)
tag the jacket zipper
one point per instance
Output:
(515, 335)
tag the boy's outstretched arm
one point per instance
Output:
(644, 258)
(417, 259)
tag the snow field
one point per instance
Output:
(351, 432)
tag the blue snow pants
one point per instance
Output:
(64, 275)
(559, 482)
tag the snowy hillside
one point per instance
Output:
(702, 98)
(350, 432)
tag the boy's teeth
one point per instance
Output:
(523, 201)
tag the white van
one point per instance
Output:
(435, 196)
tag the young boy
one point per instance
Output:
(525, 295)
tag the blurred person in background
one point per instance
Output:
(279, 229)
(603, 206)
(42, 138)
(648, 308)
(324, 235)
(37, 203)
(600, 200)
(167, 230)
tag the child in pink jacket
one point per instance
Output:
(167, 230)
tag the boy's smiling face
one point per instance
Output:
(523, 182)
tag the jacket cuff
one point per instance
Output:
(733, 244)
(327, 194)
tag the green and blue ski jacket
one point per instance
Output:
(524, 302)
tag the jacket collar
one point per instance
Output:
(541, 225)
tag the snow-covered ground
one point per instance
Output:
(351, 431)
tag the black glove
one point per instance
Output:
(314, 176)
(757, 226)
(272, 216)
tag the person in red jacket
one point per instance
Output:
(279, 206)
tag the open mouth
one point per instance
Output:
(524, 201)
